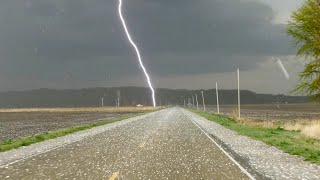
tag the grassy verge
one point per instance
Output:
(292, 142)
(9, 144)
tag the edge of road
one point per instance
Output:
(15, 155)
(233, 156)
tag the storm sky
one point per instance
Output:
(184, 43)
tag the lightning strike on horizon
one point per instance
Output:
(138, 53)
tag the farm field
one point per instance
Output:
(16, 123)
(273, 112)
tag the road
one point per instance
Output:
(163, 145)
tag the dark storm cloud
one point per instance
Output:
(44, 39)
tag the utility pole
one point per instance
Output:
(118, 96)
(238, 73)
(197, 101)
(204, 105)
(102, 99)
(217, 93)
(192, 101)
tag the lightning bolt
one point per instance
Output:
(138, 53)
(283, 69)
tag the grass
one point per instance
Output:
(292, 142)
(309, 129)
(9, 144)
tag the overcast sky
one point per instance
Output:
(184, 43)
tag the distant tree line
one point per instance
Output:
(131, 96)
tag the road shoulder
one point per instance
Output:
(16, 155)
(266, 160)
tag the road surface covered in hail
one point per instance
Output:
(163, 145)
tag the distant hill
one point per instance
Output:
(131, 96)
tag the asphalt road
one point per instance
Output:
(163, 145)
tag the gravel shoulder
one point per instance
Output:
(267, 161)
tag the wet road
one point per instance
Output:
(162, 145)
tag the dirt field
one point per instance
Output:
(273, 112)
(26, 122)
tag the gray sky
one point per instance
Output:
(184, 43)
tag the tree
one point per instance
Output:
(304, 27)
